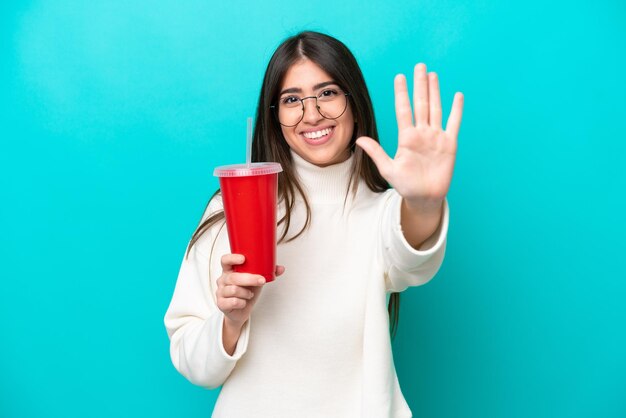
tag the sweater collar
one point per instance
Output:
(323, 184)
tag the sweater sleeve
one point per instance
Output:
(194, 322)
(404, 265)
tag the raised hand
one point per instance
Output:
(421, 171)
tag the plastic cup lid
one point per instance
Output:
(241, 170)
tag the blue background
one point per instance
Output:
(114, 114)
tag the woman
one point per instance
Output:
(318, 344)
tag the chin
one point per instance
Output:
(326, 160)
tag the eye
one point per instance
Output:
(289, 100)
(329, 93)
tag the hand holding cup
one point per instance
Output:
(237, 293)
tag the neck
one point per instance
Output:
(327, 184)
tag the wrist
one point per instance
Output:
(230, 335)
(424, 207)
(232, 326)
(420, 220)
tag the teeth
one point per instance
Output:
(317, 134)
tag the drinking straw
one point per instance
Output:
(249, 144)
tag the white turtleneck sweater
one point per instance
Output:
(317, 342)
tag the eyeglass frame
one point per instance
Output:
(275, 108)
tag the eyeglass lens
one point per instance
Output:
(330, 103)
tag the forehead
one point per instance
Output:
(304, 74)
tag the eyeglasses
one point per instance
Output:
(331, 103)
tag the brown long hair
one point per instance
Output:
(268, 143)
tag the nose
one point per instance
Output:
(311, 113)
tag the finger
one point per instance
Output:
(403, 105)
(434, 100)
(280, 270)
(228, 260)
(245, 279)
(420, 95)
(232, 291)
(377, 154)
(225, 304)
(454, 120)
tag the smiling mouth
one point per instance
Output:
(317, 135)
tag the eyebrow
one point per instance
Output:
(315, 87)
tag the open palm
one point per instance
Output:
(421, 170)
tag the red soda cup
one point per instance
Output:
(250, 194)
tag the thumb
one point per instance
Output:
(279, 270)
(377, 154)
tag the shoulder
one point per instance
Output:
(215, 205)
(209, 233)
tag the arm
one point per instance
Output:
(195, 325)
(420, 173)
(407, 265)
